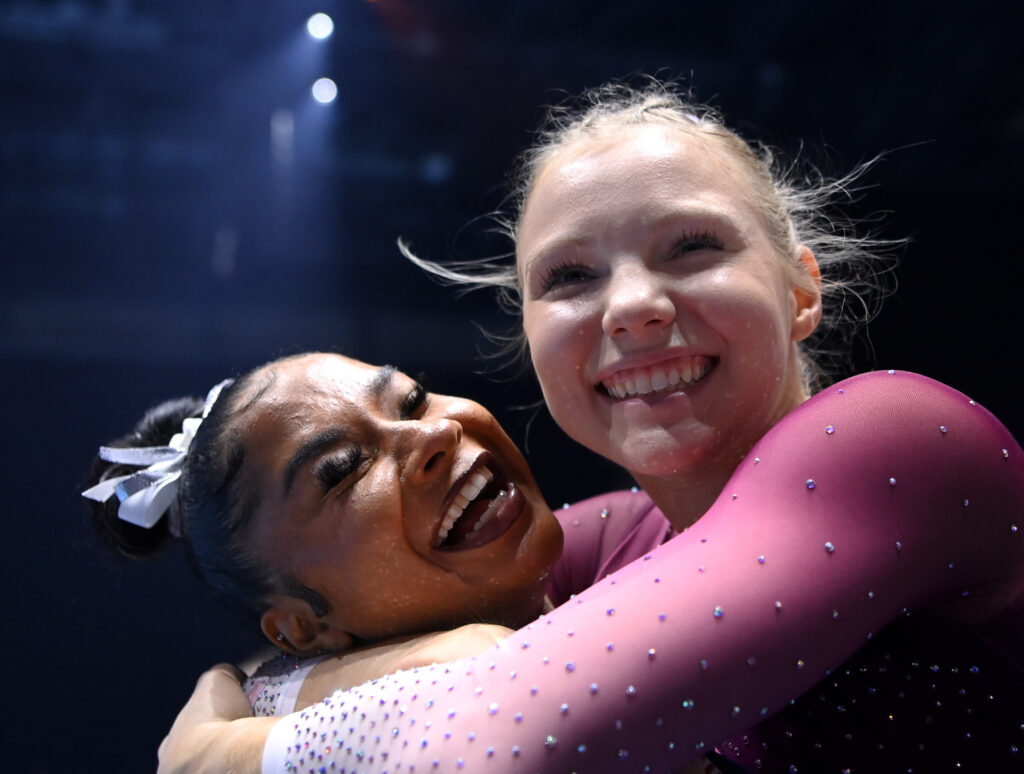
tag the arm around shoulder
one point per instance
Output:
(214, 732)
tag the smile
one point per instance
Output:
(481, 511)
(668, 376)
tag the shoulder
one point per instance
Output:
(603, 533)
(907, 409)
(625, 505)
(892, 388)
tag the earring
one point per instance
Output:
(279, 637)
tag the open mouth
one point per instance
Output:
(669, 376)
(482, 510)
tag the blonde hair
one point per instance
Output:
(798, 202)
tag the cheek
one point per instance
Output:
(746, 311)
(560, 343)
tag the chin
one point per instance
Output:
(658, 460)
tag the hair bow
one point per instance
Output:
(147, 494)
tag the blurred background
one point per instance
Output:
(181, 199)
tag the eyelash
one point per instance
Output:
(414, 401)
(333, 470)
(690, 241)
(556, 275)
(697, 240)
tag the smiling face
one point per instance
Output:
(660, 318)
(407, 511)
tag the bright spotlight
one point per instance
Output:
(320, 26)
(324, 90)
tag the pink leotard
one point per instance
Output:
(882, 520)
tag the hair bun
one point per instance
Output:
(155, 428)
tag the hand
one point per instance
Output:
(354, 667)
(214, 732)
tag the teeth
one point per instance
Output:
(684, 371)
(470, 490)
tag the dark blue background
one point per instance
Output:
(155, 237)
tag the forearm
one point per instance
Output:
(720, 627)
(213, 733)
(219, 747)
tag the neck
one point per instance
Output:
(685, 498)
(686, 495)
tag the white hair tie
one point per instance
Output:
(148, 494)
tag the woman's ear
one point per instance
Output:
(807, 294)
(291, 625)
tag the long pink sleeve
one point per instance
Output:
(885, 493)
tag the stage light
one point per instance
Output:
(324, 90)
(320, 26)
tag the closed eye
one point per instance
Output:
(414, 401)
(332, 470)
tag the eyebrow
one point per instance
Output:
(381, 380)
(310, 449)
(324, 440)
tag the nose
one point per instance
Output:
(426, 445)
(636, 302)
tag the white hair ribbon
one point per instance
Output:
(147, 494)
